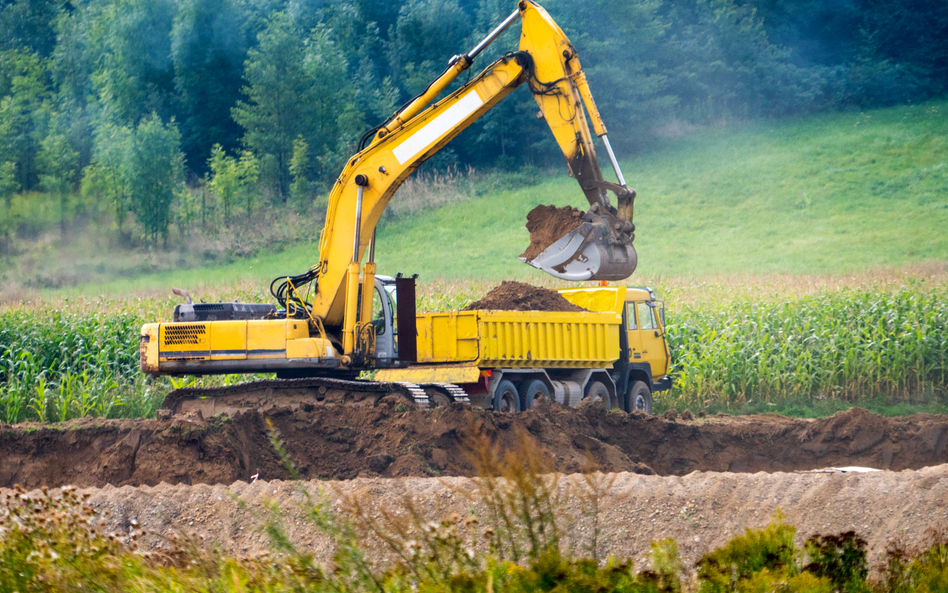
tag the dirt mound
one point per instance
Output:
(344, 442)
(548, 224)
(701, 511)
(517, 296)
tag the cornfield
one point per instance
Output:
(846, 342)
(55, 366)
(842, 344)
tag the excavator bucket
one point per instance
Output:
(588, 252)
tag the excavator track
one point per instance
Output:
(297, 393)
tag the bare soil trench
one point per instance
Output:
(344, 442)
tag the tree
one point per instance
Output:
(297, 86)
(24, 94)
(106, 176)
(58, 164)
(8, 182)
(209, 46)
(28, 23)
(427, 34)
(154, 174)
(301, 189)
(232, 179)
(129, 46)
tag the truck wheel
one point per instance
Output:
(506, 397)
(640, 397)
(597, 390)
(534, 389)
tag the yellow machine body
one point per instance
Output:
(453, 345)
(334, 328)
(222, 346)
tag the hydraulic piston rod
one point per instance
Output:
(612, 159)
(493, 35)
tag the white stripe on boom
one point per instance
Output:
(436, 128)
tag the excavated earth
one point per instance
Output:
(511, 295)
(342, 442)
(547, 225)
(698, 480)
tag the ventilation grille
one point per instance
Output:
(185, 334)
(209, 307)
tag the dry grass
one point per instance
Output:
(428, 191)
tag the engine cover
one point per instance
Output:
(222, 311)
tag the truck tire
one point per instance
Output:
(640, 397)
(597, 390)
(506, 397)
(531, 391)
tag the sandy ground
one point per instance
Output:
(701, 510)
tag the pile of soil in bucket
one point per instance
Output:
(549, 224)
(517, 296)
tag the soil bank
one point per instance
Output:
(344, 442)
(701, 511)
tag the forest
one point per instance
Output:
(145, 110)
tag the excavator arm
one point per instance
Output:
(600, 249)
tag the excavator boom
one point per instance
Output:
(333, 335)
(600, 249)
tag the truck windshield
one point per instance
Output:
(646, 316)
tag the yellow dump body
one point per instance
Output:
(528, 339)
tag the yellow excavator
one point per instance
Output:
(339, 319)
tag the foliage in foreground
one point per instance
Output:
(55, 541)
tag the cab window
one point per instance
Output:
(646, 316)
(378, 315)
(630, 314)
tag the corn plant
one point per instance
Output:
(57, 366)
(846, 344)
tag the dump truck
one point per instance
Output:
(615, 353)
(339, 322)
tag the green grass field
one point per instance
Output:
(830, 194)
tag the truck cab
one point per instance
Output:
(645, 351)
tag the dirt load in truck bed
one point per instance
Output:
(517, 296)
(547, 225)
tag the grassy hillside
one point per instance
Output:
(829, 194)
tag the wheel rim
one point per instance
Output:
(505, 402)
(639, 402)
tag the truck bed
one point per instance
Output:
(519, 339)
